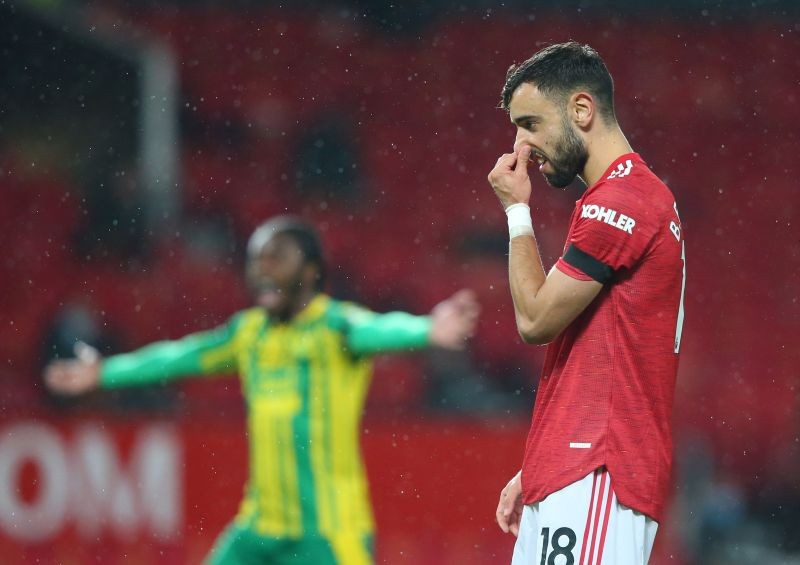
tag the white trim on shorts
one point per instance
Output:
(584, 524)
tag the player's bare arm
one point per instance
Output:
(509, 507)
(544, 305)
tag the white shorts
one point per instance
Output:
(583, 524)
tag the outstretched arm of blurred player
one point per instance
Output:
(449, 325)
(509, 508)
(544, 305)
(200, 353)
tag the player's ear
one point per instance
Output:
(581, 109)
(311, 275)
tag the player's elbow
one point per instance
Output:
(534, 332)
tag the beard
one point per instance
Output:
(280, 300)
(569, 157)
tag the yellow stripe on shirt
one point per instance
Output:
(349, 549)
(289, 473)
(265, 469)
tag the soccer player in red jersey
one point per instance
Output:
(597, 461)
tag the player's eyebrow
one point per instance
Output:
(531, 119)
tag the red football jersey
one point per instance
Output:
(607, 385)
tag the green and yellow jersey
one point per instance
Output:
(304, 382)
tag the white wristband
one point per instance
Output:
(519, 220)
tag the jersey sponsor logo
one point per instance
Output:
(609, 216)
(622, 170)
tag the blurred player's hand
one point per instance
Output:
(509, 509)
(75, 376)
(510, 179)
(453, 320)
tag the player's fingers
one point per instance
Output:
(464, 295)
(66, 376)
(54, 374)
(501, 514)
(66, 385)
(75, 384)
(506, 503)
(504, 165)
(61, 383)
(502, 520)
(472, 311)
(469, 298)
(465, 324)
(466, 302)
(51, 370)
(506, 160)
(86, 352)
(522, 161)
(508, 517)
(514, 528)
(467, 331)
(469, 323)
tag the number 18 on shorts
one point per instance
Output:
(584, 524)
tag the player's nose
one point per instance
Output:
(519, 144)
(521, 140)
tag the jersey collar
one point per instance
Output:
(314, 309)
(635, 157)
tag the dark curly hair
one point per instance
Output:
(561, 69)
(303, 234)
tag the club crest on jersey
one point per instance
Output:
(621, 170)
(609, 216)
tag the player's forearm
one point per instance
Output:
(526, 277)
(156, 363)
(395, 331)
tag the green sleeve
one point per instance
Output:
(369, 333)
(196, 354)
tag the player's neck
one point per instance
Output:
(301, 303)
(604, 148)
(294, 307)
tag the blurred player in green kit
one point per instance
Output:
(304, 361)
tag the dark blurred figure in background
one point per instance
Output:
(327, 163)
(116, 227)
(77, 322)
(305, 363)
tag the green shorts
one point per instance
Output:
(238, 545)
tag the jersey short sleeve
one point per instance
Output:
(611, 230)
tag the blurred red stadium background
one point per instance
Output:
(708, 98)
